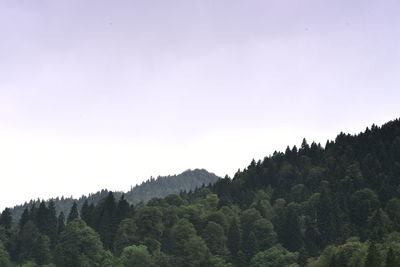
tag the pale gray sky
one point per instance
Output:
(104, 94)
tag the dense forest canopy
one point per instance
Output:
(313, 205)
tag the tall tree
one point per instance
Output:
(73, 214)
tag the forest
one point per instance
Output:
(336, 204)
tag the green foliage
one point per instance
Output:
(234, 237)
(78, 245)
(73, 213)
(276, 256)
(4, 257)
(42, 253)
(136, 256)
(373, 256)
(215, 238)
(332, 206)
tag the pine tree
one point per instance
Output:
(73, 214)
(106, 221)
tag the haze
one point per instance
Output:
(104, 94)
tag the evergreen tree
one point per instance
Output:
(107, 224)
(24, 218)
(42, 253)
(73, 214)
(86, 213)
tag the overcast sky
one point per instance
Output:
(104, 94)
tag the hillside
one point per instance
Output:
(161, 186)
(314, 206)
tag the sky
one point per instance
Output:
(104, 94)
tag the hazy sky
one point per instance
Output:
(104, 94)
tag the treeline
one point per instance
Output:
(161, 186)
(337, 205)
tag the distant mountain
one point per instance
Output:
(159, 187)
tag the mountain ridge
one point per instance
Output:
(161, 186)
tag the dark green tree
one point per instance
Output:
(60, 223)
(234, 237)
(4, 257)
(78, 245)
(215, 239)
(391, 259)
(373, 257)
(136, 256)
(73, 214)
(86, 213)
(42, 253)
(6, 219)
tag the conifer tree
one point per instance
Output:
(86, 214)
(106, 221)
(73, 214)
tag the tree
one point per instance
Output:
(276, 256)
(391, 259)
(195, 252)
(106, 224)
(24, 218)
(373, 257)
(181, 232)
(6, 219)
(215, 239)
(42, 253)
(264, 231)
(379, 225)
(4, 257)
(26, 241)
(136, 256)
(234, 238)
(125, 235)
(290, 234)
(250, 246)
(149, 222)
(61, 223)
(78, 245)
(86, 213)
(73, 214)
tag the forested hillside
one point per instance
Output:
(161, 186)
(332, 205)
